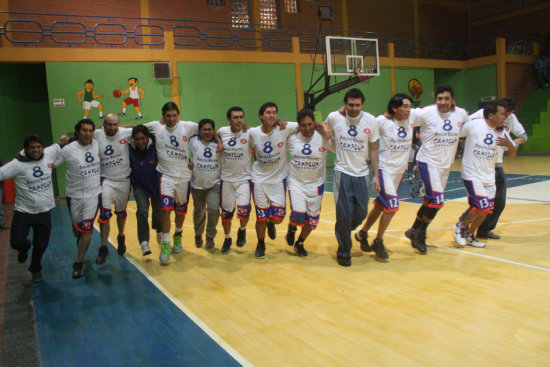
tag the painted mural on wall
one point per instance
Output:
(88, 98)
(135, 95)
(415, 90)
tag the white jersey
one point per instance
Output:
(83, 169)
(172, 147)
(134, 94)
(395, 142)
(236, 158)
(352, 137)
(308, 156)
(33, 181)
(206, 163)
(113, 152)
(270, 163)
(511, 125)
(480, 151)
(439, 135)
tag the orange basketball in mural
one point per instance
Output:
(117, 93)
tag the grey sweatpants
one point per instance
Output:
(205, 202)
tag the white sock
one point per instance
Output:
(166, 237)
(179, 229)
(124, 110)
(242, 228)
(228, 235)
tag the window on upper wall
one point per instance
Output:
(292, 6)
(240, 14)
(268, 14)
(215, 3)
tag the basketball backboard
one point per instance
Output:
(352, 56)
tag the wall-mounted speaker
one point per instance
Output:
(162, 70)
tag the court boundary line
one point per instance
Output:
(194, 318)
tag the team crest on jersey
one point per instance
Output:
(280, 144)
(50, 165)
(313, 221)
(184, 138)
(281, 212)
(241, 211)
(411, 125)
(152, 161)
(86, 225)
(367, 131)
(244, 141)
(322, 149)
(123, 141)
(460, 123)
(506, 128)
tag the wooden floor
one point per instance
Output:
(451, 307)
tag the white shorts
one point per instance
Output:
(83, 212)
(387, 198)
(88, 105)
(113, 192)
(174, 193)
(235, 192)
(269, 200)
(435, 181)
(481, 196)
(305, 204)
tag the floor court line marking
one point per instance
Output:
(472, 253)
(215, 337)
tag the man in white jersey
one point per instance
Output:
(235, 176)
(172, 139)
(439, 129)
(306, 178)
(485, 138)
(355, 137)
(396, 135)
(269, 172)
(83, 186)
(511, 125)
(113, 142)
(205, 182)
(32, 175)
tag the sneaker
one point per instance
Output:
(139, 117)
(343, 261)
(226, 248)
(471, 240)
(379, 249)
(209, 243)
(102, 255)
(241, 237)
(177, 243)
(4, 226)
(77, 270)
(290, 235)
(418, 239)
(22, 256)
(271, 231)
(198, 241)
(363, 240)
(37, 277)
(460, 234)
(145, 250)
(300, 249)
(260, 249)
(159, 238)
(121, 249)
(122, 113)
(164, 253)
(490, 234)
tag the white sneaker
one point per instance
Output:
(459, 235)
(472, 241)
(145, 250)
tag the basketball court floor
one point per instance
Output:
(451, 307)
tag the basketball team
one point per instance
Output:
(164, 162)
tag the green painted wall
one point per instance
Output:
(65, 79)
(23, 106)
(424, 76)
(210, 89)
(470, 85)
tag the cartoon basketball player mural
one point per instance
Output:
(135, 97)
(88, 97)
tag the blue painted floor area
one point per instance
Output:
(113, 316)
(455, 186)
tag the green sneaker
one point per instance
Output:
(164, 253)
(177, 243)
